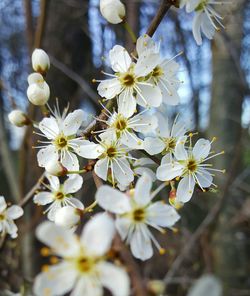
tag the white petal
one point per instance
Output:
(201, 149)
(169, 171)
(49, 127)
(122, 225)
(161, 214)
(57, 205)
(141, 246)
(207, 27)
(98, 234)
(170, 95)
(204, 177)
(146, 63)
(46, 155)
(43, 198)
(145, 43)
(142, 190)
(180, 152)
(63, 242)
(112, 200)
(140, 170)
(70, 161)
(163, 125)
(185, 189)
(143, 161)
(76, 203)
(109, 88)
(72, 122)
(119, 59)
(58, 280)
(89, 150)
(197, 27)
(126, 103)
(3, 204)
(11, 228)
(131, 140)
(122, 171)
(153, 145)
(54, 182)
(87, 286)
(73, 184)
(145, 123)
(149, 96)
(114, 278)
(101, 168)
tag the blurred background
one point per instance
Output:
(213, 234)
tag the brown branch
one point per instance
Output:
(41, 23)
(29, 24)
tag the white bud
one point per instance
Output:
(38, 93)
(55, 168)
(112, 10)
(18, 118)
(40, 61)
(67, 217)
(35, 78)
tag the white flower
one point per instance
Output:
(18, 118)
(83, 268)
(124, 127)
(35, 78)
(113, 11)
(38, 93)
(165, 138)
(189, 165)
(134, 213)
(7, 215)
(60, 194)
(128, 81)
(67, 217)
(55, 168)
(206, 18)
(62, 143)
(164, 72)
(112, 156)
(40, 61)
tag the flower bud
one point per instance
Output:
(18, 118)
(156, 287)
(172, 199)
(35, 78)
(67, 217)
(55, 168)
(40, 61)
(38, 93)
(112, 10)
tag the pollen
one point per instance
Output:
(45, 251)
(162, 251)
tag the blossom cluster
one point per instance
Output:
(137, 151)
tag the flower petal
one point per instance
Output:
(76, 203)
(112, 200)
(50, 282)
(101, 168)
(185, 189)
(122, 171)
(109, 88)
(87, 286)
(43, 198)
(126, 103)
(49, 127)
(149, 95)
(3, 204)
(180, 152)
(114, 278)
(46, 155)
(119, 59)
(144, 123)
(89, 150)
(169, 171)
(122, 225)
(153, 145)
(70, 161)
(196, 27)
(201, 149)
(72, 184)
(98, 234)
(161, 214)
(54, 182)
(205, 179)
(72, 122)
(141, 246)
(142, 192)
(62, 241)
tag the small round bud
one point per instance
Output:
(38, 93)
(67, 217)
(113, 11)
(18, 118)
(156, 287)
(55, 168)
(40, 61)
(35, 78)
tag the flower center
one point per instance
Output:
(192, 165)
(111, 152)
(139, 215)
(2, 217)
(59, 195)
(127, 80)
(170, 144)
(120, 124)
(157, 72)
(85, 264)
(61, 141)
